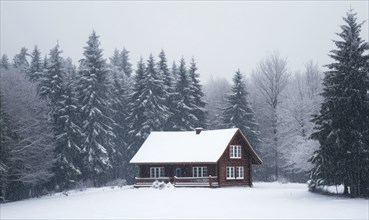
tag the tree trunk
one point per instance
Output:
(3, 191)
(345, 190)
(276, 153)
(275, 140)
(358, 178)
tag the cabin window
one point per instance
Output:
(235, 151)
(240, 173)
(199, 171)
(230, 173)
(156, 172)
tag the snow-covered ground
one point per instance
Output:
(264, 200)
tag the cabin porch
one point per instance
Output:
(180, 175)
(210, 181)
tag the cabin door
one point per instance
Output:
(178, 172)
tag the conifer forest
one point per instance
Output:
(68, 124)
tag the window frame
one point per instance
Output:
(235, 152)
(200, 171)
(157, 172)
(240, 170)
(231, 172)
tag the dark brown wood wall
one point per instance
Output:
(170, 169)
(244, 161)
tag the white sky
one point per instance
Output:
(222, 36)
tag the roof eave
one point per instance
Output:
(193, 162)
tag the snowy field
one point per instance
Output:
(265, 200)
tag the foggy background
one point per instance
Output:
(222, 36)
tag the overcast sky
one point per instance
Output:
(222, 36)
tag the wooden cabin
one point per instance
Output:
(208, 158)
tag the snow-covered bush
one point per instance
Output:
(169, 185)
(311, 185)
(158, 185)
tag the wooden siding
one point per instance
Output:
(245, 161)
(170, 170)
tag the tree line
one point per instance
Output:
(86, 122)
(63, 125)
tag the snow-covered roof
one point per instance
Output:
(184, 146)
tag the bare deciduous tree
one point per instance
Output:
(35, 143)
(302, 100)
(271, 77)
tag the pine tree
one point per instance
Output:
(168, 85)
(238, 112)
(174, 71)
(35, 69)
(148, 110)
(119, 100)
(115, 59)
(196, 91)
(163, 70)
(44, 63)
(52, 78)
(153, 98)
(136, 115)
(342, 125)
(67, 167)
(97, 126)
(5, 62)
(70, 69)
(20, 60)
(125, 64)
(184, 119)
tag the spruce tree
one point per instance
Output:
(125, 64)
(184, 118)
(153, 98)
(147, 110)
(115, 59)
(342, 126)
(5, 62)
(44, 63)
(238, 112)
(97, 127)
(136, 117)
(168, 85)
(52, 78)
(196, 91)
(119, 100)
(174, 71)
(70, 69)
(35, 69)
(20, 60)
(67, 167)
